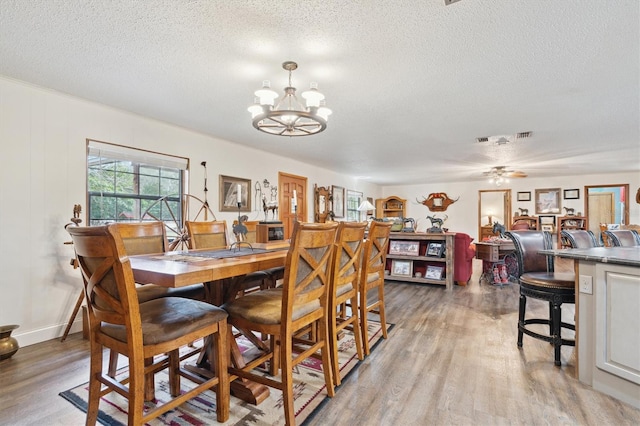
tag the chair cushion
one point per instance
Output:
(343, 289)
(548, 280)
(265, 307)
(151, 291)
(169, 318)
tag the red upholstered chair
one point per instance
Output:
(464, 254)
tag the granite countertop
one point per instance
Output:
(629, 256)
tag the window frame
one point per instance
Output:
(170, 171)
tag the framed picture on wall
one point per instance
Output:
(548, 200)
(571, 194)
(524, 196)
(338, 200)
(230, 188)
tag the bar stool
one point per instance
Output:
(538, 280)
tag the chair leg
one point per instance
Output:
(357, 332)
(219, 359)
(113, 363)
(551, 326)
(149, 382)
(323, 333)
(521, 309)
(557, 327)
(174, 376)
(136, 390)
(94, 384)
(383, 315)
(365, 324)
(287, 379)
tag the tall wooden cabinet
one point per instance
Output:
(421, 258)
(391, 207)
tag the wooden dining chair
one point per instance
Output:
(274, 274)
(281, 312)
(345, 277)
(213, 236)
(149, 238)
(142, 331)
(374, 259)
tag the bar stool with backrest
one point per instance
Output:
(345, 277)
(282, 312)
(623, 237)
(374, 260)
(579, 238)
(143, 330)
(538, 280)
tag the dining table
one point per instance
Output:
(219, 271)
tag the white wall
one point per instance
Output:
(43, 174)
(463, 214)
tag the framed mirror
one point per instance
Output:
(494, 205)
(606, 204)
(321, 203)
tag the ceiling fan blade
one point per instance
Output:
(516, 174)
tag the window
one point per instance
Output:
(123, 183)
(354, 199)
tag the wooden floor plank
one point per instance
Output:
(451, 358)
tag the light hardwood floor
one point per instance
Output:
(451, 358)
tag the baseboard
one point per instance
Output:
(47, 333)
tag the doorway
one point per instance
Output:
(287, 183)
(606, 204)
(494, 205)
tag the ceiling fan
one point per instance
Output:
(500, 174)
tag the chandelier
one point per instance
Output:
(289, 117)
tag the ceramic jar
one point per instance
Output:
(8, 344)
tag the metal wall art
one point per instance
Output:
(437, 201)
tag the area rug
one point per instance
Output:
(309, 393)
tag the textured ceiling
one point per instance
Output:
(411, 83)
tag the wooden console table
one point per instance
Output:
(496, 253)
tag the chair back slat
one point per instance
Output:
(207, 235)
(527, 245)
(107, 276)
(252, 229)
(308, 266)
(348, 255)
(375, 253)
(143, 237)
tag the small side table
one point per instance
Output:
(495, 254)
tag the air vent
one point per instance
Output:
(523, 135)
(504, 139)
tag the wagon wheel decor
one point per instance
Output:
(167, 209)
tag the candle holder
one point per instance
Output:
(241, 232)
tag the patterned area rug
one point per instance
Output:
(309, 393)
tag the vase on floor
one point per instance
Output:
(8, 344)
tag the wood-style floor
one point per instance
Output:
(450, 359)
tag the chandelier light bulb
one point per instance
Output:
(266, 95)
(313, 96)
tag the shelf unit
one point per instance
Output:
(531, 221)
(420, 262)
(391, 207)
(570, 222)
